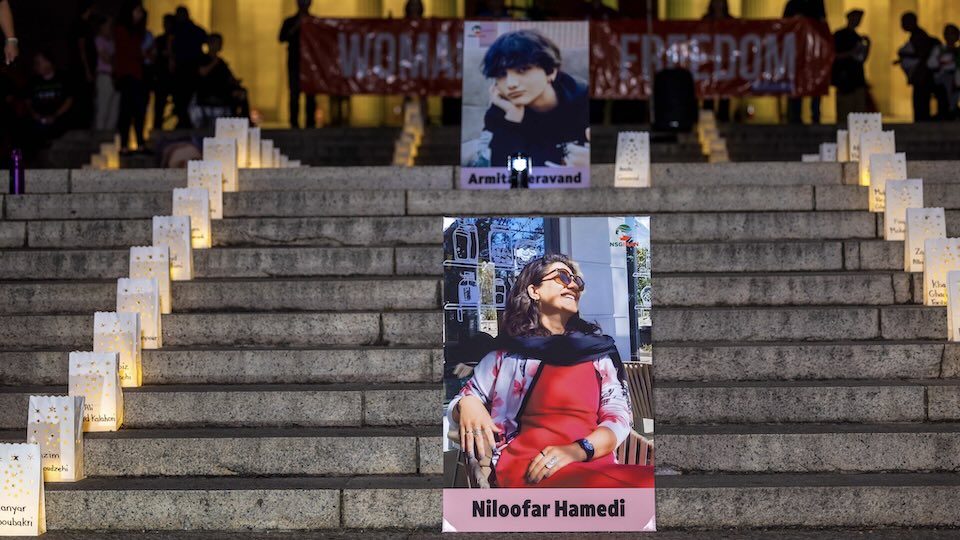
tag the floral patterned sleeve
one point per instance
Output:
(480, 384)
(615, 411)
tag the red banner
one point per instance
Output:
(727, 58)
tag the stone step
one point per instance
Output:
(746, 501)
(214, 263)
(804, 448)
(806, 323)
(181, 366)
(260, 204)
(259, 452)
(378, 231)
(199, 503)
(808, 501)
(846, 533)
(725, 361)
(777, 256)
(240, 406)
(860, 401)
(258, 330)
(801, 289)
(931, 171)
(297, 179)
(41, 297)
(361, 231)
(611, 201)
(857, 197)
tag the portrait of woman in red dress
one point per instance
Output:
(551, 400)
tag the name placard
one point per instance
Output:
(195, 204)
(900, 195)
(874, 142)
(225, 151)
(857, 125)
(175, 233)
(208, 175)
(922, 223)
(142, 296)
(828, 151)
(148, 262)
(941, 255)
(632, 168)
(94, 377)
(55, 423)
(22, 510)
(119, 332)
(884, 167)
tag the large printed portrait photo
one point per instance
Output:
(547, 362)
(525, 91)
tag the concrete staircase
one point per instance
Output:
(799, 382)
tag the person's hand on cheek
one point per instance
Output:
(512, 112)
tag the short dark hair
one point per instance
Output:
(522, 317)
(520, 49)
(215, 36)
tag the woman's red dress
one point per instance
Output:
(562, 408)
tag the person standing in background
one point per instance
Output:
(290, 34)
(914, 58)
(847, 74)
(84, 64)
(11, 46)
(130, 35)
(812, 9)
(188, 41)
(108, 100)
(162, 71)
(946, 75)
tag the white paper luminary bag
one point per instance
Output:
(941, 255)
(208, 175)
(284, 160)
(266, 154)
(142, 296)
(235, 128)
(632, 168)
(922, 223)
(175, 233)
(253, 148)
(884, 167)
(153, 262)
(55, 423)
(276, 158)
(900, 195)
(22, 508)
(119, 332)
(874, 142)
(857, 125)
(953, 305)
(194, 203)
(843, 145)
(828, 152)
(94, 377)
(224, 151)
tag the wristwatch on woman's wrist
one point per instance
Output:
(587, 447)
(13, 40)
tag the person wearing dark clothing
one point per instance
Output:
(812, 9)
(913, 58)
(84, 63)
(536, 109)
(50, 100)
(851, 50)
(216, 86)
(188, 40)
(163, 71)
(129, 75)
(290, 34)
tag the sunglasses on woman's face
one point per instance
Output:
(564, 278)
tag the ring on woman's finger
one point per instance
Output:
(542, 454)
(553, 461)
(477, 431)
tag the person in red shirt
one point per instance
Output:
(130, 35)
